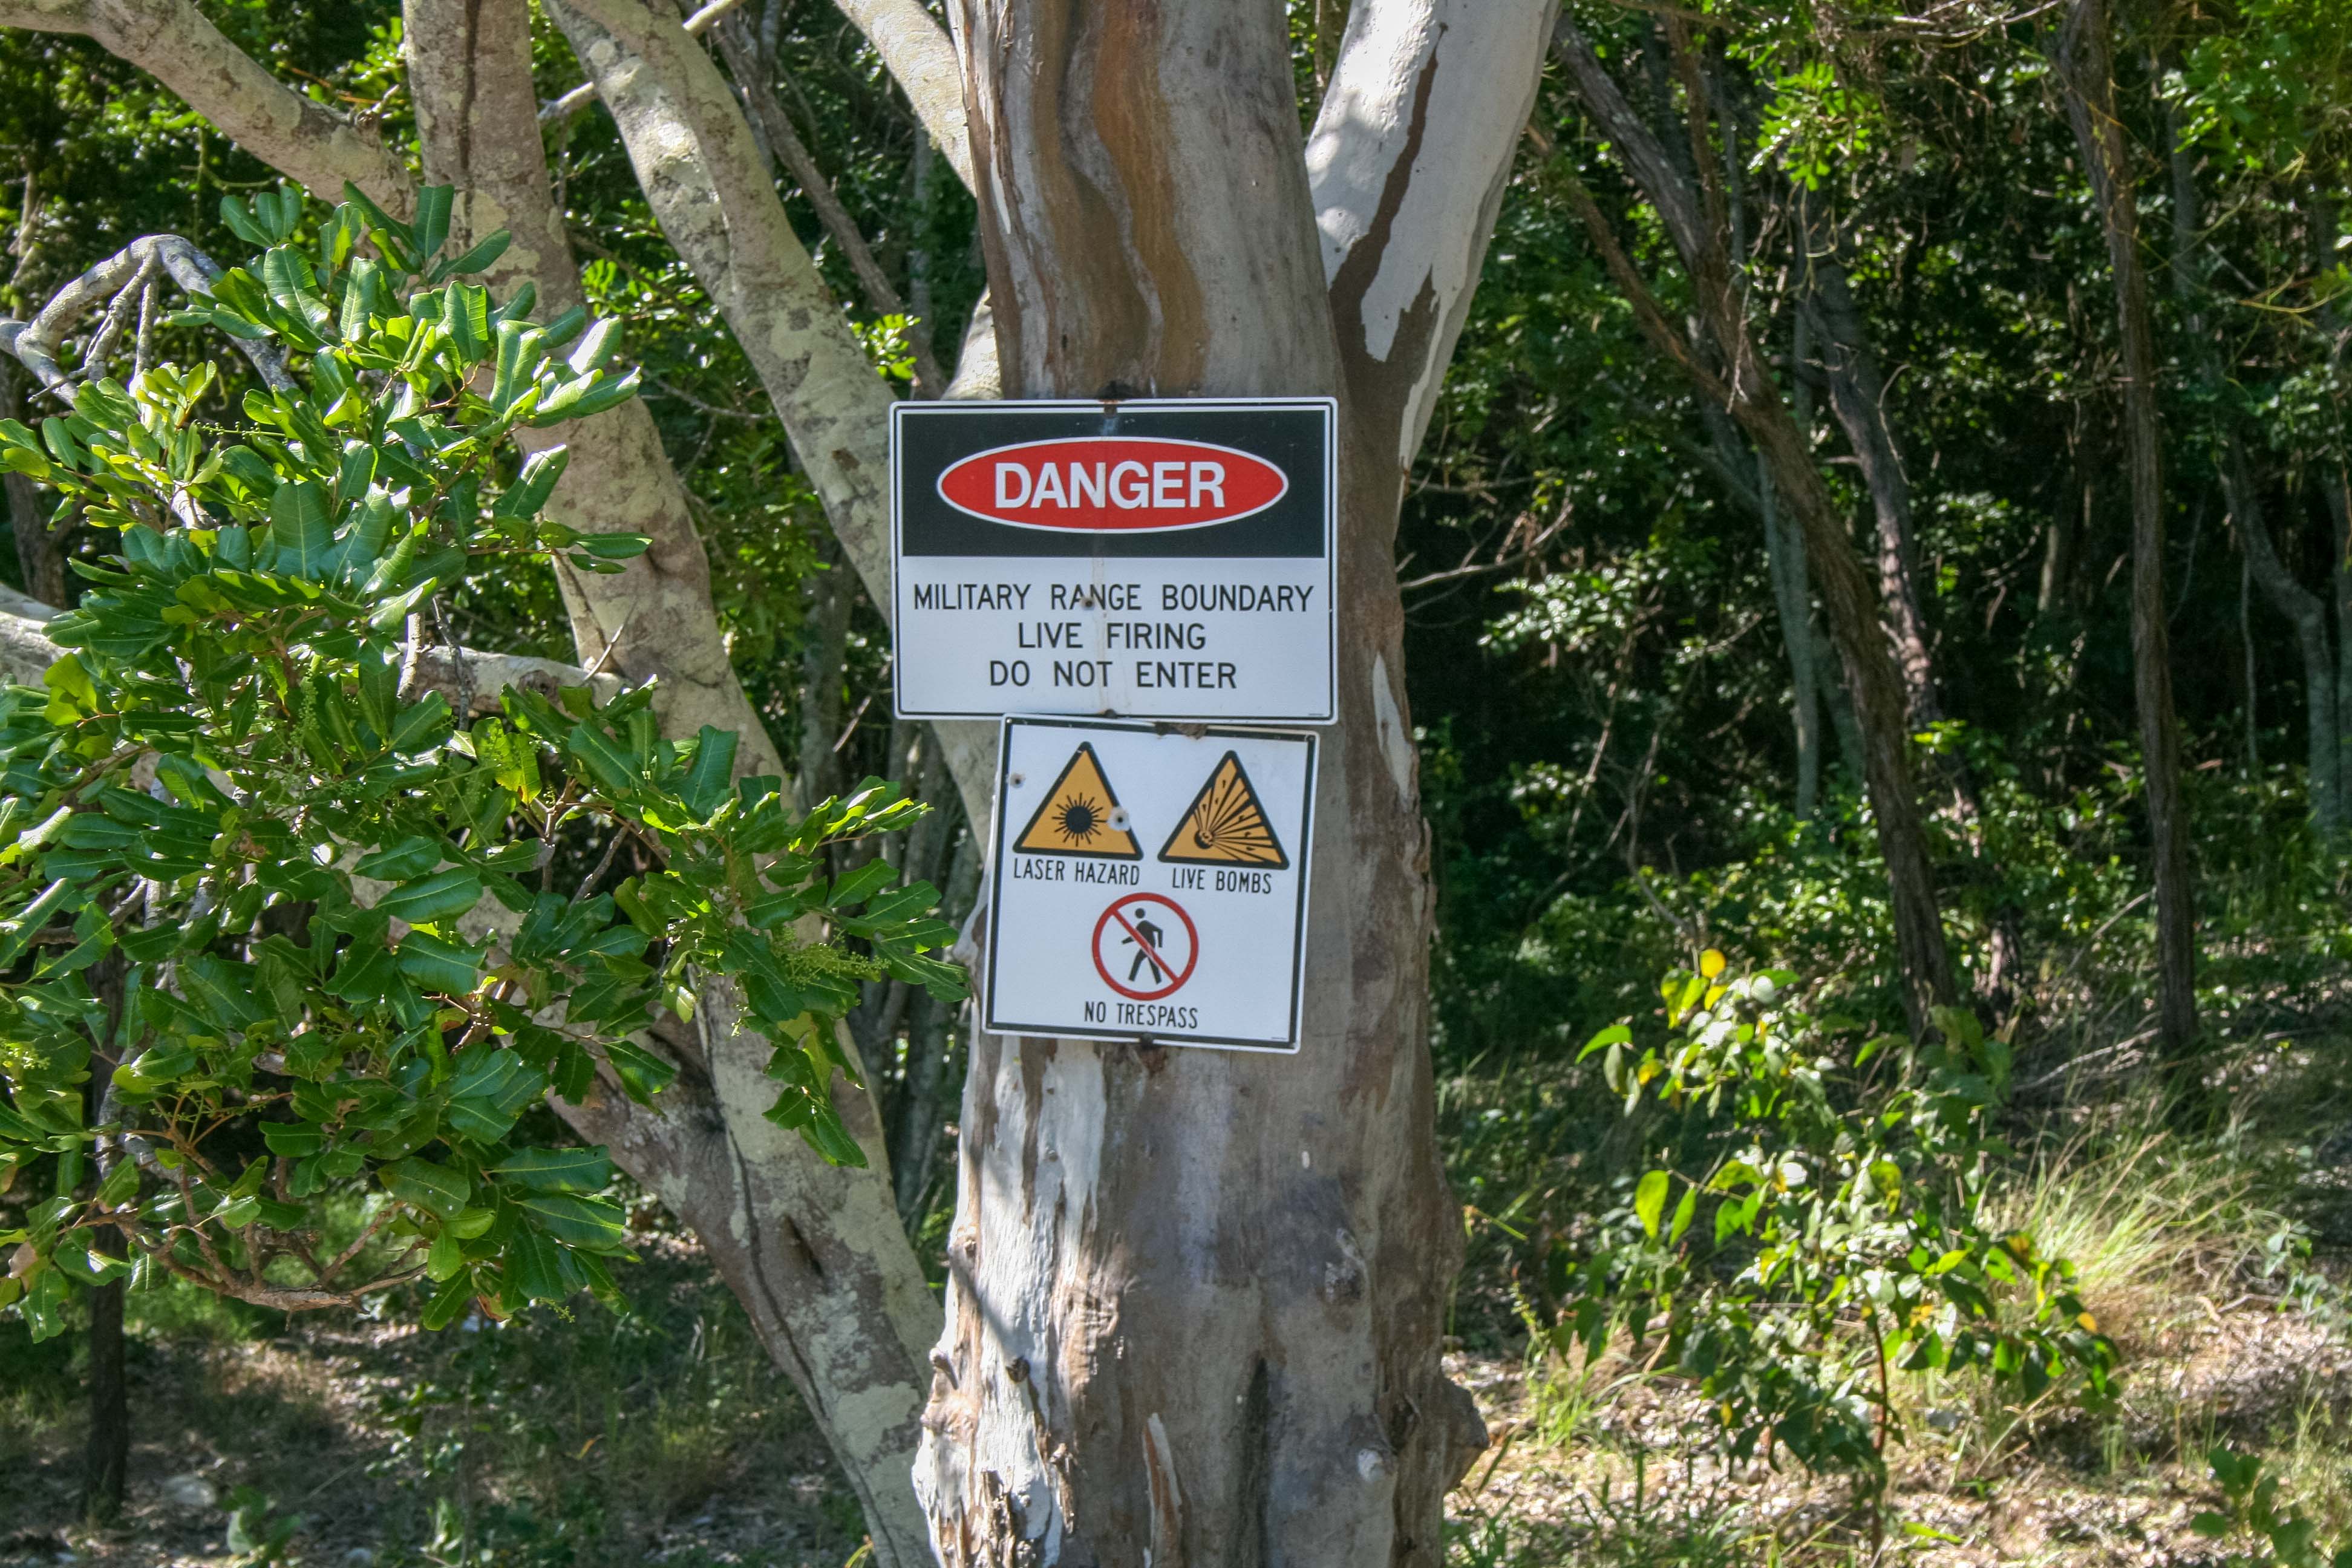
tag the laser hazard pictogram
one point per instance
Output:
(1226, 825)
(1146, 947)
(1080, 816)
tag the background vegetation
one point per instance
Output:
(1636, 750)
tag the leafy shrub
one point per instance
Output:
(1799, 1204)
(2283, 1540)
(246, 861)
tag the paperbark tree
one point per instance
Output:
(1194, 1297)
(1307, 1238)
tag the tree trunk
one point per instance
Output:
(2322, 689)
(106, 1459)
(1195, 1296)
(1858, 397)
(2087, 70)
(1785, 559)
(2309, 616)
(814, 1252)
(41, 561)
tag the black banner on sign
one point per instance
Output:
(935, 438)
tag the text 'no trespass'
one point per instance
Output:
(1148, 559)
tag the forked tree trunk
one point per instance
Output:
(2087, 71)
(1195, 1296)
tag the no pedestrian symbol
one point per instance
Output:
(1149, 884)
(1159, 955)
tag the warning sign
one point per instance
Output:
(1080, 816)
(1164, 559)
(1225, 825)
(1203, 943)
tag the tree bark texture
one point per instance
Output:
(2086, 72)
(477, 125)
(1195, 1296)
(1353, 275)
(1696, 220)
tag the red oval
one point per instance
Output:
(1113, 484)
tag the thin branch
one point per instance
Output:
(558, 110)
(36, 343)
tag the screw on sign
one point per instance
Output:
(1146, 947)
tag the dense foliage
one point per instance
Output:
(250, 856)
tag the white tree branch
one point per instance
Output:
(710, 188)
(1408, 159)
(921, 59)
(172, 41)
(581, 97)
(36, 344)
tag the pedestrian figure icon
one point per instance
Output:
(1146, 942)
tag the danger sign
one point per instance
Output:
(1149, 884)
(1163, 559)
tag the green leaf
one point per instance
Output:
(466, 316)
(612, 768)
(1614, 1035)
(536, 1266)
(1650, 1200)
(412, 856)
(438, 965)
(476, 259)
(705, 787)
(435, 898)
(1683, 1211)
(589, 1223)
(434, 1188)
(294, 1140)
(302, 525)
(557, 1170)
(857, 884)
(430, 229)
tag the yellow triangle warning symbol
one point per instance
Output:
(1224, 825)
(1080, 816)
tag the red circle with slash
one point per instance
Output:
(1148, 948)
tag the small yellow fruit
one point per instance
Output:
(1711, 962)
